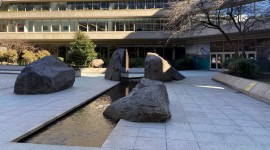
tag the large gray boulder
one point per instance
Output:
(116, 65)
(147, 102)
(156, 68)
(46, 75)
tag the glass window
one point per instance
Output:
(88, 5)
(73, 24)
(111, 25)
(65, 25)
(21, 7)
(11, 26)
(122, 4)
(113, 5)
(12, 7)
(92, 25)
(29, 6)
(54, 6)
(29, 25)
(96, 5)
(159, 4)
(3, 25)
(83, 25)
(101, 25)
(129, 24)
(38, 25)
(104, 5)
(20, 26)
(141, 4)
(79, 5)
(120, 25)
(62, 5)
(46, 26)
(157, 24)
(37, 6)
(71, 5)
(46, 6)
(150, 4)
(55, 25)
(138, 25)
(131, 4)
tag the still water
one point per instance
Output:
(84, 127)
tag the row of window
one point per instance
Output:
(87, 5)
(87, 25)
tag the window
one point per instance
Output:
(91, 25)
(11, 26)
(46, 26)
(120, 25)
(141, 4)
(38, 25)
(122, 4)
(73, 24)
(96, 5)
(79, 6)
(21, 7)
(159, 4)
(54, 6)
(71, 5)
(131, 4)
(37, 6)
(29, 6)
(55, 25)
(138, 25)
(150, 4)
(20, 26)
(12, 7)
(29, 25)
(62, 5)
(104, 5)
(83, 25)
(65, 25)
(129, 24)
(3, 26)
(101, 25)
(88, 5)
(46, 6)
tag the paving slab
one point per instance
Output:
(205, 115)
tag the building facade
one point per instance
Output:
(137, 25)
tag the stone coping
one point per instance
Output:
(255, 89)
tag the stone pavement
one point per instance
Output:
(205, 116)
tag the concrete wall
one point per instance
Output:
(258, 90)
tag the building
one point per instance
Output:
(137, 25)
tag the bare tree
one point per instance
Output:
(226, 16)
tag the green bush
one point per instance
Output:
(28, 56)
(136, 63)
(11, 55)
(2, 56)
(183, 64)
(242, 67)
(226, 62)
(82, 50)
(42, 53)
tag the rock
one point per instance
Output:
(147, 102)
(156, 68)
(46, 75)
(96, 63)
(116, 65)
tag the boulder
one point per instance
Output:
(46, 75)
(116, 65)
(156, 68)
(147, 102)
(96, 63)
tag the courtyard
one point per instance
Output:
(205, 116)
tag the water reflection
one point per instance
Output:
(85, 127)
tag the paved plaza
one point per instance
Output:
(205, 116)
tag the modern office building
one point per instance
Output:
(137, 25)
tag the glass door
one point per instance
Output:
(213, 61)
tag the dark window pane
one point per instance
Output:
(104, 5)
(71, 5)
(29, 6)
(45, 6)
(88, 5)
(79, 6)
(62, 5)
(96, 5)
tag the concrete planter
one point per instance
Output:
(258, 90)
